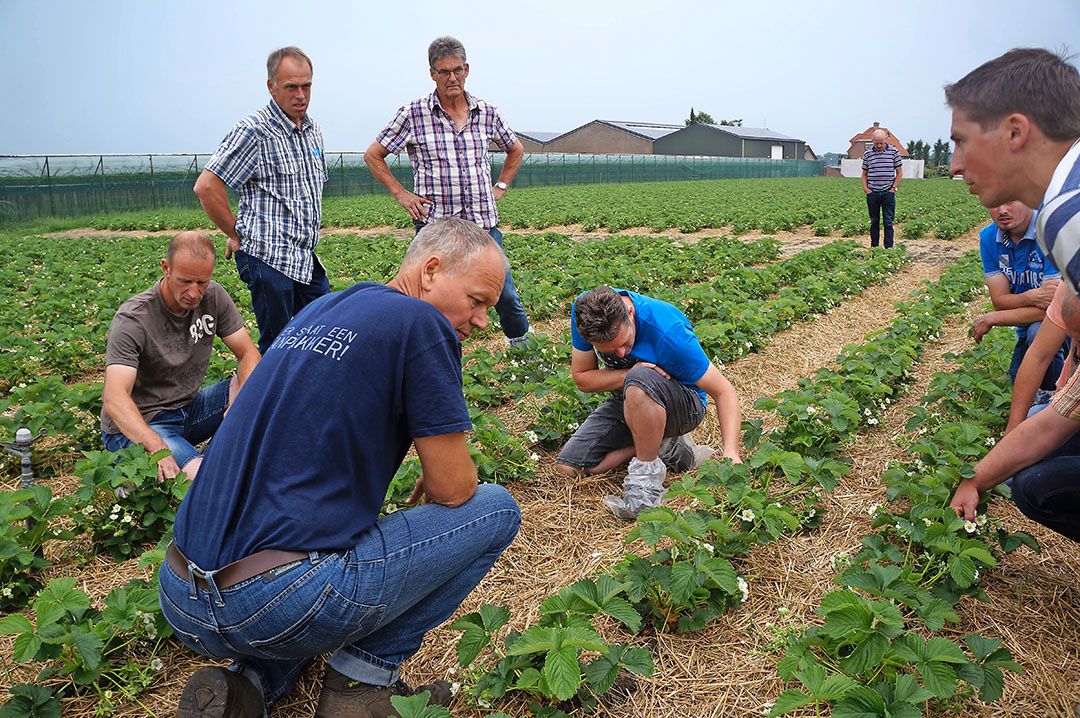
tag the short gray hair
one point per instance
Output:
(277, 55)
(442, 47)
(1031, 81)
(456, 241)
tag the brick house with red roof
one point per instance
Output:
(862, 141)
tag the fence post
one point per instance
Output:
(101, 167)
(52, 199)
(153, 184)
(341, 161)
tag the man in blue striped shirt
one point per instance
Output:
(1016, 125)
(881, 173)
(275, 161)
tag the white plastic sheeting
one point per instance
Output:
(913, 169)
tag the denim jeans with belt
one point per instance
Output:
(276, 298)
(881, 201)
(512, 317)
(369, 606)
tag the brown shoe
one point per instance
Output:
(218, 693)
(342, 697)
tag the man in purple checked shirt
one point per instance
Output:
(446, 135)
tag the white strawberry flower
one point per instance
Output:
(747, 515)
(971, 527)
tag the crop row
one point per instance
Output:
(918, 565)
(57, 298)
(942, 208)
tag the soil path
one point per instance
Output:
(928, 249)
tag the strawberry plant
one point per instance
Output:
(121, 505)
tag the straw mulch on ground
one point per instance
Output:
(726, 669)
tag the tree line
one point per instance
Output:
(937, 157)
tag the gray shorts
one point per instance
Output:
(606, 429)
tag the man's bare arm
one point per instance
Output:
(1032, 370)
(728, 413)
(1029, 444)
(375, 158)
(449, 475)
(1002, 296)
(510, 166)
(1005, 318)
(210, 190)
(589, 377)
(118, 404)
(246, 353)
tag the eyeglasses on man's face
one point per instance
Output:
(458, 71)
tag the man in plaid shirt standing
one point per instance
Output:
(275, 161)
(446, 135)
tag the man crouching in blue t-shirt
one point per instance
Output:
(279, 554)
(660, 376)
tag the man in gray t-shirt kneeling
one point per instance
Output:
(158, 353)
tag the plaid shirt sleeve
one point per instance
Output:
(237, 158)
(504, 137)
(1067, 401)
(395, 135)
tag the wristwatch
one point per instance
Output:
(502, 185)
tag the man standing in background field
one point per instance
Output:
(1016, 125)
(882, 169)
(447, 135)
(274, 160)
(660, 377)
(157, 356)
(1021, 281)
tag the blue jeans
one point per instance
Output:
(182, 428)
(369, 606)
(275, 298)
(1049, 492)
(1049, 380)
(882, 201)
(512, 317)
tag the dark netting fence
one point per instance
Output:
(33, 186)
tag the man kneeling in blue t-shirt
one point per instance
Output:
(660, 377)
(279, 554)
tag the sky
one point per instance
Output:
(174, 76)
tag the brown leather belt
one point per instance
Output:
(237, 571)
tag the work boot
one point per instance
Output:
(680, 453)
(643, 488)
(218, 693)
(342, 697)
